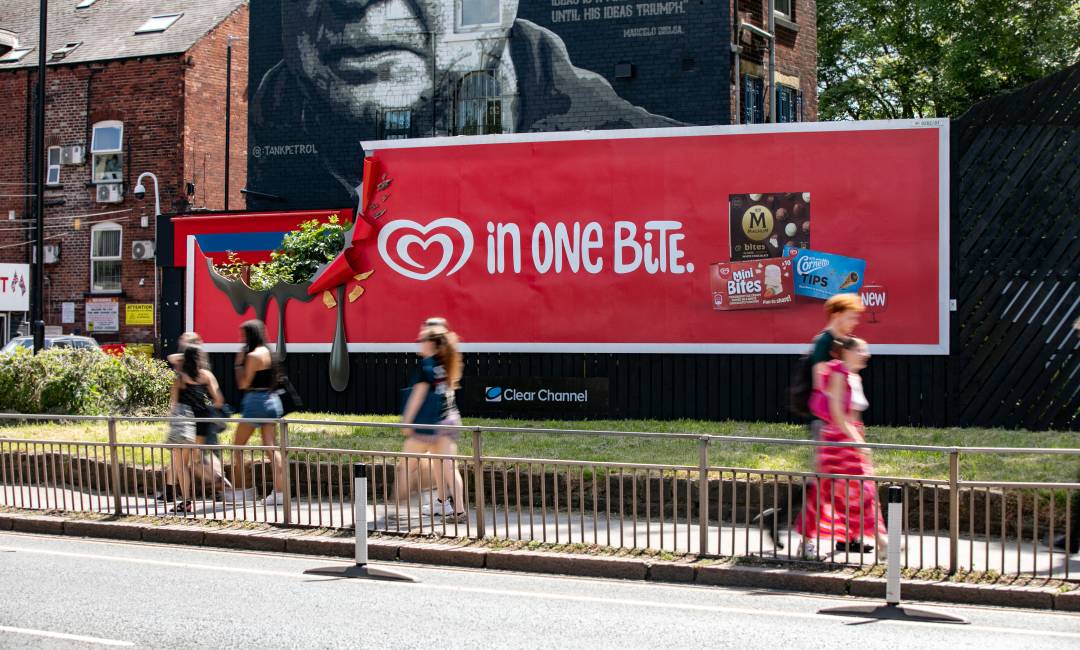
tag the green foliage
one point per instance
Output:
(884, 59)
(83, 382)
(302, 252)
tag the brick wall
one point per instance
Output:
(145, 96)
(172, 109)
(204, 115)
(796, 50)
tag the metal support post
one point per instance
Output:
(114, 469)
(892, 609)
(286, 480)
(478, 485)
(361, 568)
(954, 512)
(703, 495)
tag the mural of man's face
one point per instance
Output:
(361, 56)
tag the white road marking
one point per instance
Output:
(714, 609)
(65, 637)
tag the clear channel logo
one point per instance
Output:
(500, 394)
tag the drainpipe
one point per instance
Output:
(772, 61)
(737, 51)
(757, 31)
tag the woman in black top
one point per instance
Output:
(256, 375)
(194, 393)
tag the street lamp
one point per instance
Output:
(140, 192)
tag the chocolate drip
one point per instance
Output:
(339, 351)
(283, 293)
(244, 297)
(240, 295)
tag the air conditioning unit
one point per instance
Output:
(142, 250)
(72, 155)
(109, 193)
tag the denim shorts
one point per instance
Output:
(261, 404)
(452, 419)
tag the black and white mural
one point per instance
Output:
(328, 74)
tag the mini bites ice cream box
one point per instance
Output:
(751, 285)
(761, 225)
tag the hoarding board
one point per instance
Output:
(619, 241)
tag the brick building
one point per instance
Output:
(328, 74)
(132, 86)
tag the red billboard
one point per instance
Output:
(630, 241)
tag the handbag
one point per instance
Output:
(290, 399)
(430, 411)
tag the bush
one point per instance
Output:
(83, 382)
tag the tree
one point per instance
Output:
(882, 59)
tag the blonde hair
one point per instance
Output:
(843, 302)
(188, 338)
(447, 351)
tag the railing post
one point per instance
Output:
(286, 480)
(114, 468)
(703, 495)
(478, 485)
(954, 512)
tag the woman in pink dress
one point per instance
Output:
(841, 510)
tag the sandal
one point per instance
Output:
(184, 507)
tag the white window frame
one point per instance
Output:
(146, 27)
(119, 257)
(96, 151)
(781, 12)
(474, 27)
(85, 4)
(52, 168)
(15, 55)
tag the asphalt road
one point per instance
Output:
(62, 592)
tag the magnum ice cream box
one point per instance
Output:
(751, 285)
(761, 225)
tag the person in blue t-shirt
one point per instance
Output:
(431, 402)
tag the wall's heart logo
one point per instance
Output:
(424, 236)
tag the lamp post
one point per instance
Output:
(37, 288)
(140, 192)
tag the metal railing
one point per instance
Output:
(701, 508)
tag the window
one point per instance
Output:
(788, 104)
(783, 7)
(53, 175)
(62, 52)
(15, 55)
(753, 91)
(107, 149)
(105, 263)
(478, 107)
(396, 124)
(473, 13)
(85, 3)
(158, 24)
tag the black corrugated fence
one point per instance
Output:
(1015, 361)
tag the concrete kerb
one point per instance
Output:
(439, 553)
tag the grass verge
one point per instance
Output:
(926, 465)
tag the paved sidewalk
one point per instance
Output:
(727, 539)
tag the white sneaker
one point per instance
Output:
(274, 499)
(439, 508)
(808, 550)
